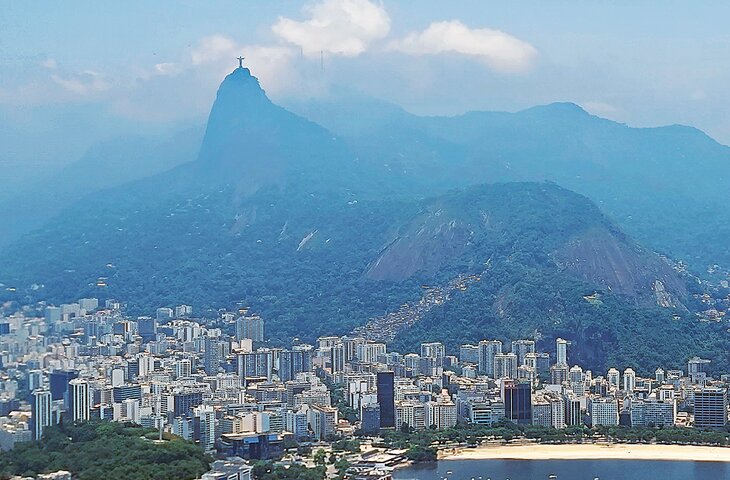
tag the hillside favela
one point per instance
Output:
(364, 240)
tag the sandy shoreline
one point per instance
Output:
(591, 452)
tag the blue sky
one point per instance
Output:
(143, 66)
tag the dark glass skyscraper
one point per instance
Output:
(185, 401)
(518, 402)
(59, 380)
(147, 329)
(386, 399)
(370, 417)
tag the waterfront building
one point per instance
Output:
(653, 413)
(557, 411)
(542, 413)
(441, 413)
(573, 410)
(710, 407)
(603, 411)
(411, 413)
(517, 398)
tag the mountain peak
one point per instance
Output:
(242, 88)
(559, 108)
(240, 107)
(250, 141)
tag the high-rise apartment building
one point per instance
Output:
(435, 350)
(488, 349)
(603, 411)
(562, 351)
(386, 398)
(629, 380)
(505, 365)
(521, 348)
(251, 327)
(40, 407)
(517, 398)
(80, 400)
(710, 409)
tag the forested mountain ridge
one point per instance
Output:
(558, 228)
(280, 214)
(665, 186)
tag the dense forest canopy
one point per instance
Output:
(94, 450)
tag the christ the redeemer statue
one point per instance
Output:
(240, 62)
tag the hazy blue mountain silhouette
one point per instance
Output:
(106, 165)
(281, 214)
(665, 185)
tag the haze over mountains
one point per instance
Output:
(666, 185)
(328, 226)
(108, 164)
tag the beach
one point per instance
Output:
(591, 452)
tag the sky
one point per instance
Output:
(73, 73)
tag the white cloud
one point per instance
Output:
(497, 49)
(214, 48)
(341, 27)
(272, 64)
(84, 83)
(167, 68)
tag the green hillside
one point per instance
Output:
(95, 450)
(279, 214)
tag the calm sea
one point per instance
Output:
(566, 470)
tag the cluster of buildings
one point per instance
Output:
(220, 384)
(489, 382)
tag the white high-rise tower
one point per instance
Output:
(80, 400)
(40, 412)
(562, 351)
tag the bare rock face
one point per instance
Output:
(612, 261)
(423, 248)
(539, 224)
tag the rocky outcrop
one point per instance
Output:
(612, 261)
(550, 226)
